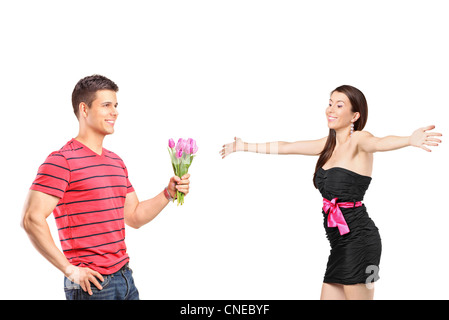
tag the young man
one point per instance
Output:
(88, 190)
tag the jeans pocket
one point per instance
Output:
(104, 284)
(73, 290)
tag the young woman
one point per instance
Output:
(342, 175)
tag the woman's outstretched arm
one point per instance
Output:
(310, 147)
(420, 138)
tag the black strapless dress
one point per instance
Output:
(354, 256)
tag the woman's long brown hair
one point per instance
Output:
(358, 104)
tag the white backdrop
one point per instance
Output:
(251, 227)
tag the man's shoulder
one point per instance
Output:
(67, 148)
(110, 154)
(114, 156)
(61, 152)
(68, 151)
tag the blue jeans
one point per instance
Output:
(116, 286)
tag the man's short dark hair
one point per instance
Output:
(86, 88)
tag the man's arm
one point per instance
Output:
(38, 206)
(139, 213)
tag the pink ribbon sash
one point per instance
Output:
(335, 216)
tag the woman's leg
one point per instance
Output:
(332, 291)
(359, 292)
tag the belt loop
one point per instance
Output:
(354, 204)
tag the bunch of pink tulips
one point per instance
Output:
(181, 156)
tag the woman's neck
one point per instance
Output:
(342, 136)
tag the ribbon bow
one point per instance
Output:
(335, 216)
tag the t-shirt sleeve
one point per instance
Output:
(53, 176)
(129, 186)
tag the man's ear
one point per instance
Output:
(83, 109)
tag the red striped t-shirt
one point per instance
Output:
(90, 213)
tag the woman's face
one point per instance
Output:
(338, 113)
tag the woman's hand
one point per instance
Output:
(229, 148)
(420, 138)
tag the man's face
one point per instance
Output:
(102, 114)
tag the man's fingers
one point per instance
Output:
(182, 187)
(87, 287)
(183, 190)
(186, 176)
(99, 276)
(95, 282)
(90, 277)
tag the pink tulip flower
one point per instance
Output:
(180, 145)
(171, 143)
(193, 147)
(187, 146)
(190, 147)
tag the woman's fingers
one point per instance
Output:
(432, 141)
(431, 127)
(420, 138)
(225, 151)
(228, 148)
(431, 134)
(434, 134)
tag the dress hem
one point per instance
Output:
(348, 282)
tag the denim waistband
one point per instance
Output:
(125, 267)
